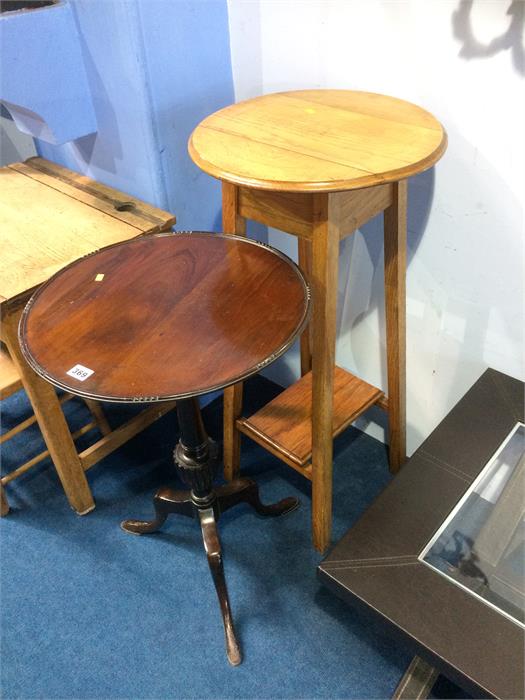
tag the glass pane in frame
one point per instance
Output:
(481, 545)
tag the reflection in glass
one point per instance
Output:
(481, 545)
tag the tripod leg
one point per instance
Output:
(165, 501)
(212, 546)
(247, 491)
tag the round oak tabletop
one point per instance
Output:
(317, 141)
(164, 317)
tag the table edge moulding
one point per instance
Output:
(318, 164)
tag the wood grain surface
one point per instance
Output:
(317, 140)
(117, 204)
(285, 423)
(50, 219)
(165, 316)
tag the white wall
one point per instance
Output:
(463, 61)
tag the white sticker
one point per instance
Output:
(80, 372)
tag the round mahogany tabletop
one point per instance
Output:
(164, 316)
(317, 141)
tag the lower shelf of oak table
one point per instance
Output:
(284, 425)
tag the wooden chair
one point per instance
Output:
(50, 217)
(10, 383)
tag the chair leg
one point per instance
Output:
(51, 421)
(4, 503)
(98, 414)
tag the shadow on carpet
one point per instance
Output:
(89, 611)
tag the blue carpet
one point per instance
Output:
(89, 611)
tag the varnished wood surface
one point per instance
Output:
(165, 316)
(285, 422)
(51, 216)
(317, 140)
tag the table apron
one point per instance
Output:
(294, 212)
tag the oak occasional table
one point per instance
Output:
(169, 317)
(51, 216)
(318, 164)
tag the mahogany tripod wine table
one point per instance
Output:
(318, 164)
(170, 317)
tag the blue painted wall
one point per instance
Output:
(39, 50)
(155, 69)
(188, 72)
